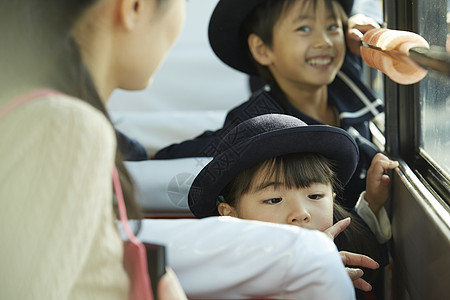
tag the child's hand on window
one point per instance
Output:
(377, 184)
(358, 25)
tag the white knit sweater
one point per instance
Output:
(57, 227)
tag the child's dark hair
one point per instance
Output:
(301, 170)
(262, 21)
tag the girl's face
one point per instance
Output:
(158, 29)
(308, 45)
(271, 201)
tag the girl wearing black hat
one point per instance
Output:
(277, 169)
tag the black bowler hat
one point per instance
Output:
(225, 31)
(260, 138)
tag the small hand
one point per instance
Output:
(358, 25)
(337, 228)
(355, 274)
(377, 183)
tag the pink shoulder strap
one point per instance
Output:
(11, 105)
(134, 255)
(121, 206)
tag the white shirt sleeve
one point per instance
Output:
(380, 226)
(230, 258)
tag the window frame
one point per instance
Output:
(403, 136)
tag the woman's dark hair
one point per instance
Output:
(301, 170)
(38, 49)
(262, 21)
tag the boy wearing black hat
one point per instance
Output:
(298, 47)
(275, 168)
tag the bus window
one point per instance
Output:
(417, 126)
(434, 90)
(434, 93)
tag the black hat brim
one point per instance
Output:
(334, 143)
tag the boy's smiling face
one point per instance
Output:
(308, 45)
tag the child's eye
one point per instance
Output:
(333, 27)
(315, 196)
(273, 200)
(304, 29)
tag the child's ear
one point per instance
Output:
(225, 209)
(259, 50)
